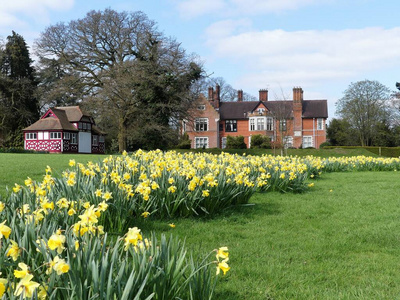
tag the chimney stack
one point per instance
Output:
(297, 94)
(217, 96)
(210, 93)
(240, 95)
(263, 95)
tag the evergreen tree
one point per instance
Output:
(18, 103)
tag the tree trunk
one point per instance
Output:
(122, 130)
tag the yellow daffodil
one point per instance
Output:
(57, 241)
(3, 284)
(16, 188)
(223, 266)
(107, 196)
(132, 237)
(2, 206)
(172, 225)
(72, 162)
(4, 230)
(23, 272)
(222, 252)
(14, 250)
(145, 214)
(26, 287)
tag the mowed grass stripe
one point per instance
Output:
(339, 241)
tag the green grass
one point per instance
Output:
(323, 244)
(335, 152)
(16, 167)
(343, 244)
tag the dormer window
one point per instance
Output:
(261, 111)
(201, 107)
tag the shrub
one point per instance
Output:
(325, 144)
(259, 141)
(235, 142)
(184, 142)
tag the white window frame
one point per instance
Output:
(55, 135)
(308, 141)
(67, 136)
(201, 107)
(201, 142)
(320, 124)
(31, 136)
(74, 138)
(252, 123)
(230, 125)
(270, 124)
(260, 124)
(288, 142)
(95, 140)
(223, 142)
(201, 124)
(101, 139)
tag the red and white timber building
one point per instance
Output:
(65, 129)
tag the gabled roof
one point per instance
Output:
(315, 109)
(48, 122)
(74, 113)
(238, 110)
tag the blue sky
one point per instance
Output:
(320, 45)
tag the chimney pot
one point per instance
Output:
(263, 95)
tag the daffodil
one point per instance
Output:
(23, 272)
(145, 214)
(4, 230)
(14, 250)
(26, 287)
(222, 252)
(132, 237)
(223, 266)
(57, 241)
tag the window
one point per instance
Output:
(67, 135)
(221, 127)
(283, 125)
(230, 126)
(201, 107)
(288, 142)
(252, 124)
(84, 126)
(201, 142)
(260, 111)
(89, 126)
(223, 143)
(55, 135)
(73, 138)
(31, 136)
(307, 141)
(80, 125)
(101, 139)
(270, 124)
(260, 124)
(320, 124)
(201, 124)
(95, 140)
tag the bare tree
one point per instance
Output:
(365, 105)
(126, 66)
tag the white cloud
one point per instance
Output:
(195, 8)
(305, 57)
(37, 11)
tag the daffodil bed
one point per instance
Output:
(55, 234)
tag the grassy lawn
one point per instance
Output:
(16, 167)
(339, 244)
(341, 240)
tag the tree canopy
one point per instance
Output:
(365, 106)
(18, 102)
(127, 71)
